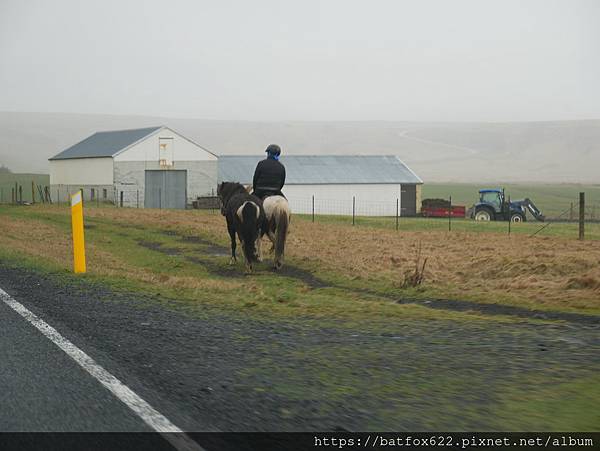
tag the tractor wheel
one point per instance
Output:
(517, 217)
(483, 215)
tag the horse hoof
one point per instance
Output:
(232, 261)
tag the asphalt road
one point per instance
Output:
(208, 372)
(43, 389)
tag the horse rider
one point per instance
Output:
(269, 175)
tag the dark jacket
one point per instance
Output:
(269, 177)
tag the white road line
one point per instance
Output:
(145, 411)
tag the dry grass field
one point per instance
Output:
(534, 272)
(488, 267)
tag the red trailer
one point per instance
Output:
(456, 211)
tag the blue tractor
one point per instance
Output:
(493, 206)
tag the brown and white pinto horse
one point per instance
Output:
(245, 217)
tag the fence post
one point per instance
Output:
(32, 192)
(581, 216)
(159, 198)
(121, 199)
(313, 208)
(397, 211)
(21, 193)
(509, 218)
(450, 214)
(12, 193)
(571, 212)
(353, 208)
(138, 198)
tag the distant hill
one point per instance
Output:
(554, 152)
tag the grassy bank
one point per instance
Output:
(333, 269)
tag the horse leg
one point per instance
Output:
(248, 261)
(271, 236)
(258, 248)
(231, 231)
(281, 235)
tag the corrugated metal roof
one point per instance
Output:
(322, 169)
(105, 144)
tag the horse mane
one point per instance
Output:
(228, 189)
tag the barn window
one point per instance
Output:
(165, 152)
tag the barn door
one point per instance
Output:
(408, 200)
(175, 189)
(165, 189)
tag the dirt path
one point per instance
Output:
(207, 250)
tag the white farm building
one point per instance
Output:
(374, 185)
(152, 167)
(156, 167)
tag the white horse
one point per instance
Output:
(278, 215)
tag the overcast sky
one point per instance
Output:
(459, 60)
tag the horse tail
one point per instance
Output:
(249, 214)
(282, 223)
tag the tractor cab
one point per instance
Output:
(492, 206)
(492, 197)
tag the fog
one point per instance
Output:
(270, 60)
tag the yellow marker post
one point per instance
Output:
(78, 240)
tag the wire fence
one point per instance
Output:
(564, 218)
(574, 218)
(24, 193)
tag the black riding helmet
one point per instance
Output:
(274, 150)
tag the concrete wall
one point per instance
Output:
(130, 178)
(81, 171)
(370, 199)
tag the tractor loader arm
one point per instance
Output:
(535, 212)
